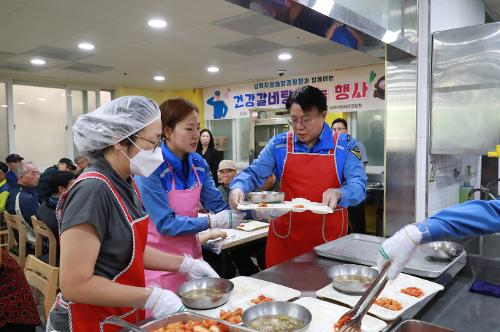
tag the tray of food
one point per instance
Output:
(252, 225)
(363, 249)
(248, 292)
(325, 315)
(189, 322)
(397, 296)
(295, 205)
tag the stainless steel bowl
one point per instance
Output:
(266, 197)
(352, 278)
(205, 302)
(441, 250)
(278, 308)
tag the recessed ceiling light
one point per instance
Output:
(38, 61)
(284, 56)
(21, 103)
(157, 23)
(86, 46)
(213, 69)
(159, 78)
(41, 99)
(5, 106)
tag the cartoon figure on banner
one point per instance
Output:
(380, 88)
(219, 105)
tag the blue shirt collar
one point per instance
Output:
(324, 140)
(173, 159)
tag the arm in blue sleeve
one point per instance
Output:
(211, 197)
(463, 220)
(210, 101)
(29, 206)
(155, 201)
(354, 187)
(254, 176)
(225, 109)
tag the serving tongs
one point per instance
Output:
(115, 320)
(356, 314)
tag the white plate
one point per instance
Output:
(252, 225)
(246, 289)
(289, 206)
(325, 315)
(392, 290)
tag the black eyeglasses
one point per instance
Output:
(156, 144)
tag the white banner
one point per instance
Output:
(347, 90)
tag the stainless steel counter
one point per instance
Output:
(307, 273)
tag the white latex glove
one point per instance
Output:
(268, 214)
(236, 196)
(163, 302)
(398, 249)
(226, 219)
(331, 197)
(196, 268)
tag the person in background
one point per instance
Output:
(104, 226)
(18, 312)
(66, 165)
(12, 160)
(23, 197)
(472, 218)
(81, 162)
(58, 182)
(173, 192)
(227, 172)
(206, 148)
(4, 187)
(312, 162)
(357, 219)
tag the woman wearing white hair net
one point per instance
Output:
(104, 228)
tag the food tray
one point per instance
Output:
(252, 225)
(363, 249)
(392, 290)
(246, 289)
(184, 317)
(326, 314)
(289, 206)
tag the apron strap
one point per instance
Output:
(170, 168)
(335, 138)
(289, 142)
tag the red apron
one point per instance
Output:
(305, 175)
(184, 203)
(88, 318)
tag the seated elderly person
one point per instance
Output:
(81, 163)
(226, 173)
(4, 186)
(23, 197)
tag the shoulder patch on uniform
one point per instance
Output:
(355, 151)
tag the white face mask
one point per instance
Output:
(146, 161)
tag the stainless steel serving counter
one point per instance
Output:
(307, 273)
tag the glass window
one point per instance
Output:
(78, 106)
(370, 132)
(4, 129)
(223, 135)
(243, 132)
(40, 124)
(105, 97)
(91, 105)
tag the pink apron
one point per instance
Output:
(184, 203)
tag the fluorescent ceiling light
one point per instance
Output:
(284, 56)
(157, 23)
(213, 69)
(21, 103)
(38, 61)
(86, 46)
(159, 78)
(41, 99)
(5, 106)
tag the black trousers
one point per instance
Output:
(357, 219)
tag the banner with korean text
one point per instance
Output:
(347, 90)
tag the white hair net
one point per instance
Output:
(113, 122)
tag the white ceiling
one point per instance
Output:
(181, 52)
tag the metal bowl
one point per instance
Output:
(205, 302)
(278, 308)
(266, 197)
(442, 250)
(351, 278)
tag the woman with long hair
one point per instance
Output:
(206, 148)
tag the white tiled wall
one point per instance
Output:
(446, 175)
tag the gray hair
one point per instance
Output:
(22, 168)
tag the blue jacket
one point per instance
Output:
(272, 157)
(463, 220)
(154, 190)
(11, 177)
(28, 201)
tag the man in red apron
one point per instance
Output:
(310, 162)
